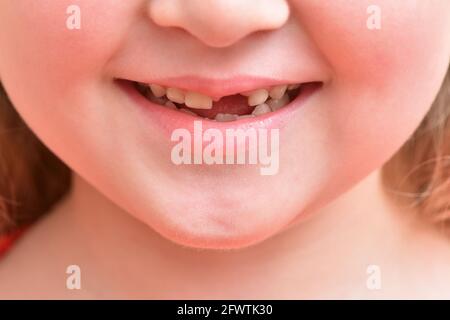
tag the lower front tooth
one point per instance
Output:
(154, 99)
(246, 116)
(171, 105)
(225, 117)
(184, 110)
(261, 109)
(276, 104)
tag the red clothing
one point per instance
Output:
(6, 241)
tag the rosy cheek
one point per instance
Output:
(369, 57)
(50, 48)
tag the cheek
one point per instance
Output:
(384, 81)
(40, 51)
(414, 36)
(53, 74)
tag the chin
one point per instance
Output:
(220, 227)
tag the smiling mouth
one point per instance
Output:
(243, 105)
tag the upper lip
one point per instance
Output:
(219, 87)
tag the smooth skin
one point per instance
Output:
(140, 229)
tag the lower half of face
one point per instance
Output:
(367, 76)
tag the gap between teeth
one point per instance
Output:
(264, 100)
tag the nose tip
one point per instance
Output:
(220, 23)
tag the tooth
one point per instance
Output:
(277, 92)
(184, 110)
(171, 105)
(258, 97)
(157, 90)
(175, 95)
(198, 101)
(246, 116)
(154, 99)
(225, 117)
(261, 109)
(293, 86)
(276, 104)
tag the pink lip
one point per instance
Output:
(170, 120)
(216, 87)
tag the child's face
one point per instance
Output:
(377, 86)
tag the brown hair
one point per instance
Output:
(32, 179)
(420, 171)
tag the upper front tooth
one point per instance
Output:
(278, 91)
(157, 90)
(175, 95)
(257, 97)
(198, 101)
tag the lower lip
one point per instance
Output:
(170, 120)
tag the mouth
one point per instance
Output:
(251, 104)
